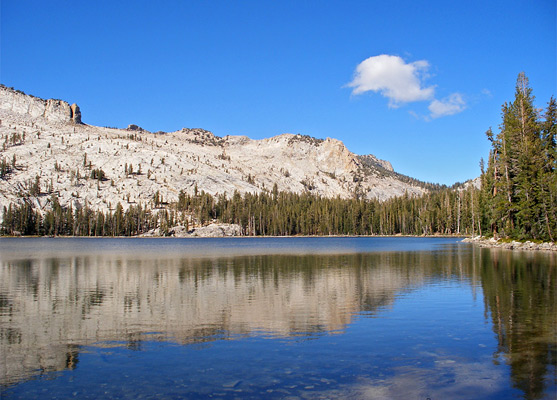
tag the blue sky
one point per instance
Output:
(413, 82)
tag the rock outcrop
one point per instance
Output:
(51, 110)
(374, 162)
(75, 114)
(208, 231)
(133, 127)
(217, 230)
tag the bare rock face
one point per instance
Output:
(17, 102)
(218, 230)
(57, 111)
(30, 107)
(211, 230)
(372, 161)
(75, 114)
(336, 157)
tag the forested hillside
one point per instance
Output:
(517, 199)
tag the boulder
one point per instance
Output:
(217, 230)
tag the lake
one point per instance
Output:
(275, 318)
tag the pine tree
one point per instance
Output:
(519, 185)
(530, 159)
(548, 176)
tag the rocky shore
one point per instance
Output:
(513, 245)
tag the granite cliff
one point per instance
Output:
(34, 108)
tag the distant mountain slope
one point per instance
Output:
(47, 149)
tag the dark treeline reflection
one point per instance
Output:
(520, 293)
(50, 307)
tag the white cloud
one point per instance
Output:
(402, 82)
(450, 105)
(393, 78)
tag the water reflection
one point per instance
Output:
(50, 307)
(520, 293)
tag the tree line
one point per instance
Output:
(277, 213)
(66, 221)
(283, 213)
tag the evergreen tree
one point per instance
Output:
(518, 187)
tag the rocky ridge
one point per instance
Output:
(48, 150)
(34, 108)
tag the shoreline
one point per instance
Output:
(510, 245)
(238, 236)
(477, 240)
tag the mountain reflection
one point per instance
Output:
(52, 306)
(49, 307)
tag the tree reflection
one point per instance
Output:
(520, 292)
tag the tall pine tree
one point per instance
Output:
(519, 184)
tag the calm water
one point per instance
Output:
(292, 318)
